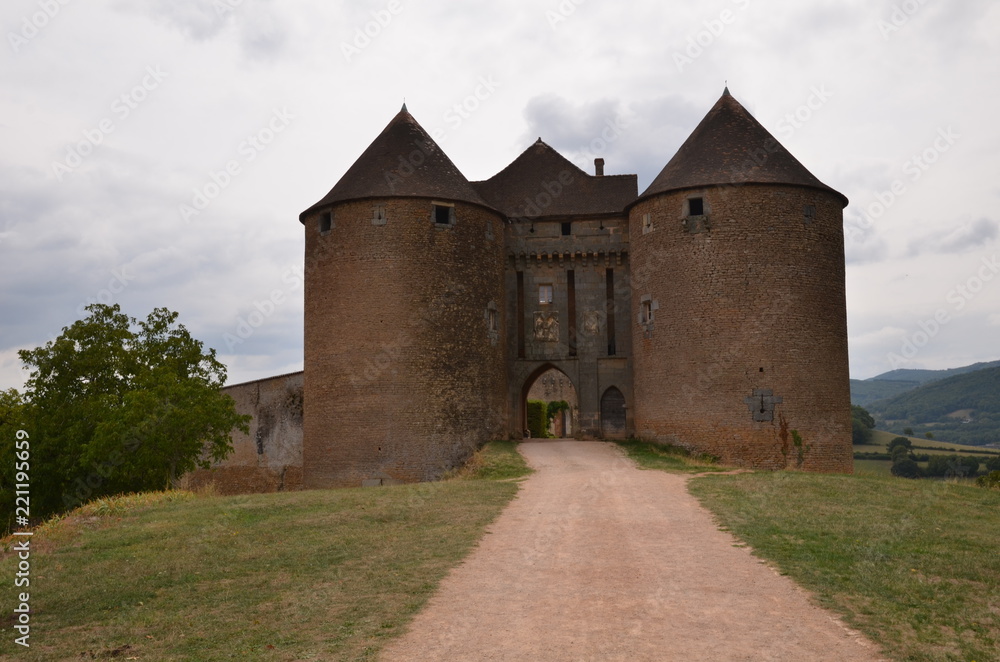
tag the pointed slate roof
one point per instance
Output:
(542, 182)
(730, 146)
(403, 161)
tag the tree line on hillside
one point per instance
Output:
(113, 405)
(963, 409)
(905, 463)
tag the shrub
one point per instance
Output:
(906, 469)
(951, 466)
(538, 419)
(990, 481)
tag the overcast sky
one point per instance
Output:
(118, 121)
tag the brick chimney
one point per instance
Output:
(599, 167)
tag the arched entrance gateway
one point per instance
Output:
(553, 387)
(613, 414)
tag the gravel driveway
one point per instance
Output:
(598, 560)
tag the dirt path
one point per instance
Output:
(598, 560)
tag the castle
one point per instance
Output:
(707, 311)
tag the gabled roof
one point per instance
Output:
(541, 182)
(403, 161)
(729, 146)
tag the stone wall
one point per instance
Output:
(269, 458)
(746, 354)
(405, 364)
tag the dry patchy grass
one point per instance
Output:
(323, 575)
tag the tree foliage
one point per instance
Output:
(538, 419)
(118, 405)
(861, 425)
(900, 442)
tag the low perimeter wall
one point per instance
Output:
(269, 459)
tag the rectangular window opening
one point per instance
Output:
(567, 229)
(696, 207)
(442, 214)
(545, 294)
(325, 222)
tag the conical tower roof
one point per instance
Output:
(730, 147)
(515, 189)
(403, 161)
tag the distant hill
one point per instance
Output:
(893, 383)
(963, 409)
(924, 376)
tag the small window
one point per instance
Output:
(378, 215)
(567, 229)
(325, 222)
(696, 207)
(545, 294)
(808, 214)
(493, 325)
(647, 223)
(444, 214)
(646, 313)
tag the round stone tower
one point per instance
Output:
(738, 293)
(405, 370)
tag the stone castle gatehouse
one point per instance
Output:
(707, 311)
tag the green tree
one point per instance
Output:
(899, 453)
(908, 431)
(861, 425)
(929, 435)
(11, 422)
(900, 442)
(118, 405)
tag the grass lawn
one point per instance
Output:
(317, 575)
(668, 458)
(913, 564)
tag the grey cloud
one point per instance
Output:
(650, 131)
(260, 31)
(956, 240)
